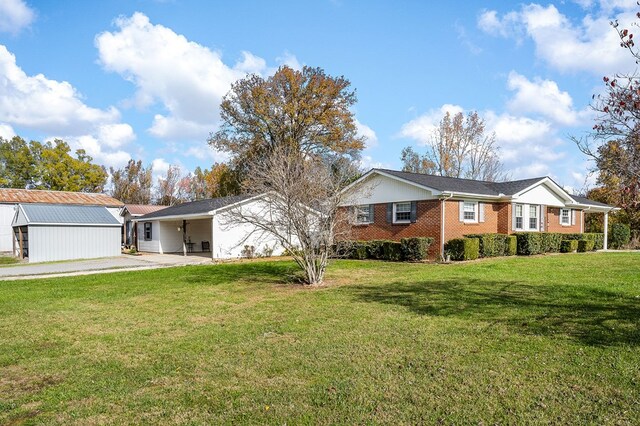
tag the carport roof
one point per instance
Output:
(193, 208)
(67, 214)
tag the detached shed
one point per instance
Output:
(49, 232)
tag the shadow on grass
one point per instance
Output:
(592, 316)
(259, 272)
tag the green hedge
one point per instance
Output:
(596, 237)
(415, 249)
(568, 246)
(619, 235)
(491, 245)
(529, 243)
(551, 242)
(585, 245)
(408, 249)
(463, 248)
(511, 247)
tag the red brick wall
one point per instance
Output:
(427, 225)
(493, 215)
(553, 222)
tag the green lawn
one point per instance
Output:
(553, 339)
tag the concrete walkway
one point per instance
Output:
(99, 266)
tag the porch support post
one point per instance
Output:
(213, 256)
(13, 240)
(20, 241)
(606, 230)
(442, 209)
(184, 237)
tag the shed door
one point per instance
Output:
(21, 237)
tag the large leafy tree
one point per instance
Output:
(614, 143)
(458, 147)
(48, 165)
(132, 183)
(291, 134)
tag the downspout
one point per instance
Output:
(442, 217)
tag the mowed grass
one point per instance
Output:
(553, 339)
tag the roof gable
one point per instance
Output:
(200, 207)
(141, 209)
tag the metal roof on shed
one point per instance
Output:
(68, 214)
(15, 195)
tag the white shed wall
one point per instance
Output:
(381, 189)
(230, 236)
(7, 212)
(153, 245)
(50, 243)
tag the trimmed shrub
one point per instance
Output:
(374, 249)
(529, 243)
(596, 237)
(568, 246)
(585, 245)
(463, 248)
(392, 251)
(415, 249)
(550, 242)
(619, 235)
(491, 245)
(511, 245)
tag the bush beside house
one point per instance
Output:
(619, 236)
(463, 248)
(408, 249)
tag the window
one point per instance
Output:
(469, 211)
(519, 216)
(363, 214)
(565, 217)
(533, 217)
(147, 231)
(402, 212)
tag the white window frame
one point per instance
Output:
(568, 223)
(359, 212)
(474, 209)
(534, 208)
(516, 217)
(150, 230)
(395, 213)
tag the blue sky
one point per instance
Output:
(143, 79)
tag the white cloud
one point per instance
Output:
(94, 146)
(590, 45)
(188, 79)
(6, 131)
(15, 15)
(289, 60)
(160, 166)
(37, 102)
(116, 135)
(366, 131)
(421, 129)
(367, 162)
(543, 97)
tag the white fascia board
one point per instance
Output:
(467, 195)
(554, 186)
(178, 216)
(593, 209)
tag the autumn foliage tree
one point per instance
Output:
(458, 147)
(285, 134)
(132, 183)
(614, 143)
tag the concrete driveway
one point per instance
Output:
(96, 266)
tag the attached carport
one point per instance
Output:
(590, 207)
(50, 232)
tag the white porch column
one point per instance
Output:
(606, 230)
(213, 219)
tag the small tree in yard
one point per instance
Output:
(293, 137)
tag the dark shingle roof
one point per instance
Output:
(196, 207)
(68, 214)
(450, 184)
(584, 200)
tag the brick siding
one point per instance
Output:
(493, 214)
(427, 225)
(553, 222)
